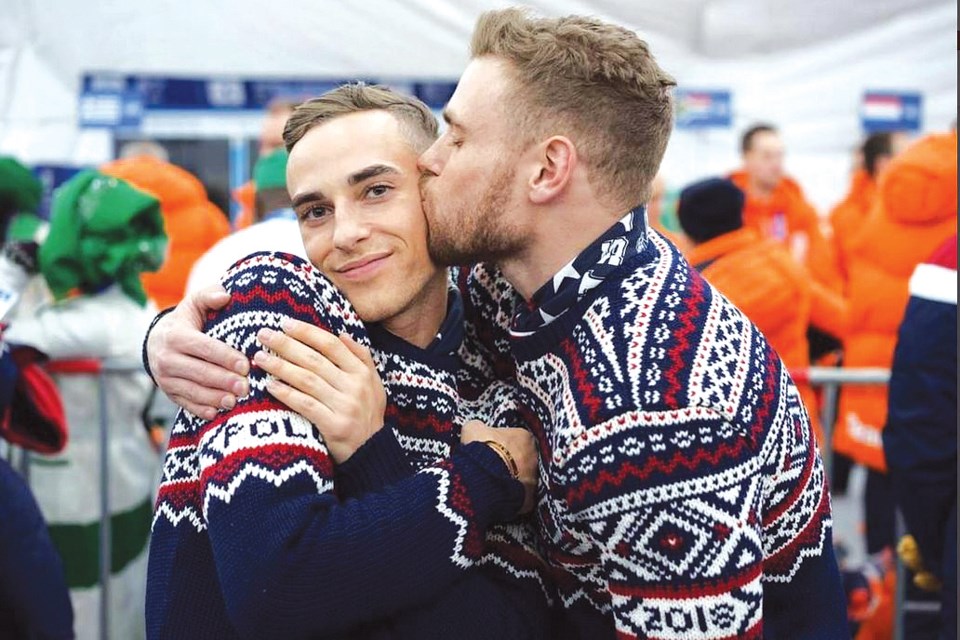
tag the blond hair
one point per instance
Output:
(596, 79)
(417, 123)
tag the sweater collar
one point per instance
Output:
(446, 343)
(588, 269)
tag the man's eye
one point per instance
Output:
(378, 190)
(314, 213)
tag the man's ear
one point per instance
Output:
(554, 165)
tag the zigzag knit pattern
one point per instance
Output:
(253, 532)
(681, 493)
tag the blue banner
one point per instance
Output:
(703, 108)
(110, 100)
(891, 111)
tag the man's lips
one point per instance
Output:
(362, 267)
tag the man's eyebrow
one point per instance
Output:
(307, 197)
(450, 119)
(370, 172)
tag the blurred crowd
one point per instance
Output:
(860, 286)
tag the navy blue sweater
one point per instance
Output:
(681, 491)
(257, 535)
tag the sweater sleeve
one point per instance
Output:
(920, 437)
(293, 560)
(800, 568)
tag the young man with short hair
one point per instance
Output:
(342, 512)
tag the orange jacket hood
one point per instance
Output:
(920, 185)
(173, 186)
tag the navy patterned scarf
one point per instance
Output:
(620, 242)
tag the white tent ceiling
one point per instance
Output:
(801, 63)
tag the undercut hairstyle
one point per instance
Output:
(746, 142)
(595, 82)
(417, 124)
(875, 147)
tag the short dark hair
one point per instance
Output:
(746, 142)
(876, 145)
(710, 208)
(417, 122)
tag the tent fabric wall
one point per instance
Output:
(802, 65)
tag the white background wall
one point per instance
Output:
(801, 64)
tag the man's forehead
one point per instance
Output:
(482, 85)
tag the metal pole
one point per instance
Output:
(105, 533)
(828, 419)
(900, 595)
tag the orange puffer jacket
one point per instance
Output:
(915, 212)
(786, 216)
(848, 217)
(193, 223)
(761, 278)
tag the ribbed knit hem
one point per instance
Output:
(489, 484)
(378, 463)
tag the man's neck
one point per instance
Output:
(759, 190)
(560, 236)
(420, 322)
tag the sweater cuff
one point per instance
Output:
(489, 484)
(378, 463)
(146, 337)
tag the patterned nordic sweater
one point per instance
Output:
(681, 494)
(257, 535)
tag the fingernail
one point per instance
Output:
(241, 366)
(286, 324)
(209, 414)
(261, 357)
(264, 335)
(228, 402)
(240, 388)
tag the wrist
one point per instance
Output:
(506, 456)
(144, 353)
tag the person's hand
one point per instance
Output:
(199, 373)
(522, 447)
(331, 381)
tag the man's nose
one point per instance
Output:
(429, 162)
(349, 229)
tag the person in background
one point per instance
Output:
(271, 139)
(916, 211)
(756, 274)
(776, 207)
(193, 224)
(34, 599)
(920, 438)
(275, 225)
(103, 234)
(848, 217)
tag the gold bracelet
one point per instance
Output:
(504, 454)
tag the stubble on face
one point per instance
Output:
(472, 232)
